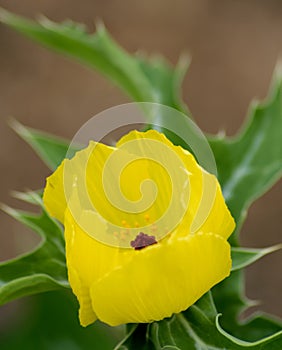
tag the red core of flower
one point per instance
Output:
(142, 240)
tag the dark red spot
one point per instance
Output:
(142, 240)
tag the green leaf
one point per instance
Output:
(256, 327)
(242, 257)
(248, 165)
(165, 80)
(28, 197)
(229, 296)
(142, 80)
(51, 149)
(42, 269)
(251, 162)
(50, 322)
(197, 328)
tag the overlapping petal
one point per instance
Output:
(207, 211)
(88, 261)
(106, 186)
(161, 280)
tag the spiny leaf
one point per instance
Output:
(242, 257)
(230, 299)
(51, 149)
(251, 162)
(142, 80)
(29, 196)
(42, 269)
(248, 165)
(197, 328)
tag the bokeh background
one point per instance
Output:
(234, 47)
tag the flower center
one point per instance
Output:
(142, 240)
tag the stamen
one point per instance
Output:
(142, 240)
(154, 228)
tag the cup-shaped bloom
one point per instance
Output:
(146, 228)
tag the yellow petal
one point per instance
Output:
(206, 211)
(54, 196)
(58, 185)
(88, 261)
(212, 214)
(186, 174)
(115, 180)
(162, 279)
(144, 185)
(216, 217)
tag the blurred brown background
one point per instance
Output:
(234, 46)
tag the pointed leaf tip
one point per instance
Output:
(243, 257)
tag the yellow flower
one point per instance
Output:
(146, 228)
